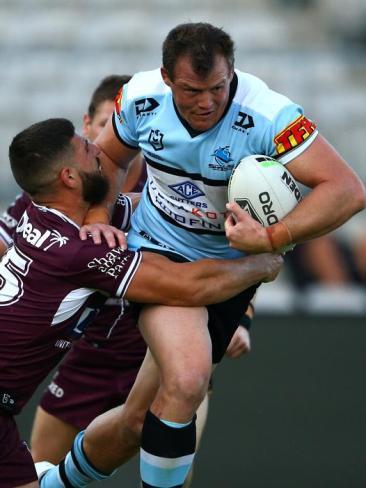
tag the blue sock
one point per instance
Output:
(75, 471)
(167, 452)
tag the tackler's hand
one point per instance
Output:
(113, 236)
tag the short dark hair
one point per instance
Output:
(106, 91)
(202, 42)
(36, 153)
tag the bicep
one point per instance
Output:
(319, 163)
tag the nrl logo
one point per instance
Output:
(245, 204)
(156, 139)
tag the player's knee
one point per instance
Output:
(189, 386)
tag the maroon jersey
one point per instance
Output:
(10, 218)
(50, 284)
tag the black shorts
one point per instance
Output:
(224, 317)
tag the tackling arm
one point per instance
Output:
(159, 280)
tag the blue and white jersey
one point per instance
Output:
(183, 203)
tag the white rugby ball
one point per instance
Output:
(264, 188)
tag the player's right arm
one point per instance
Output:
(159, 280)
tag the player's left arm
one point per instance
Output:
(337, 194)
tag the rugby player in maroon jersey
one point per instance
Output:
(53, 283)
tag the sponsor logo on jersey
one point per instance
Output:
(294, 134)
(112, 264)
(223, 159)
(245, 204)
(35, 237)
(118, 104)
(145, 106)
(187, 189)
(243, 122)
(188, 213)
(156, 139)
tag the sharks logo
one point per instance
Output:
(222, 155)
(223, 159)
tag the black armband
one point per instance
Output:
(245, 321)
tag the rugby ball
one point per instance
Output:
(264, 188)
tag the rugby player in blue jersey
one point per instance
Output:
(193, 120)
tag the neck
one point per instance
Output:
(75, 210)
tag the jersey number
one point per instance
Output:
(13, 267)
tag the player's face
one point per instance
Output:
(200, 101)
(93, 126)
(95, 185)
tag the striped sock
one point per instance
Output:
(167, 452)
(75, 471)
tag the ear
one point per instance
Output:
(68, 176)
(165, 76)
(86, 125)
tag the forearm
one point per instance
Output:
(223, 279)
(324, 209)
(159, 280)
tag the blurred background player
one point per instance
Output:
(99, 371)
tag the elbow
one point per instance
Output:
(359, 197)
